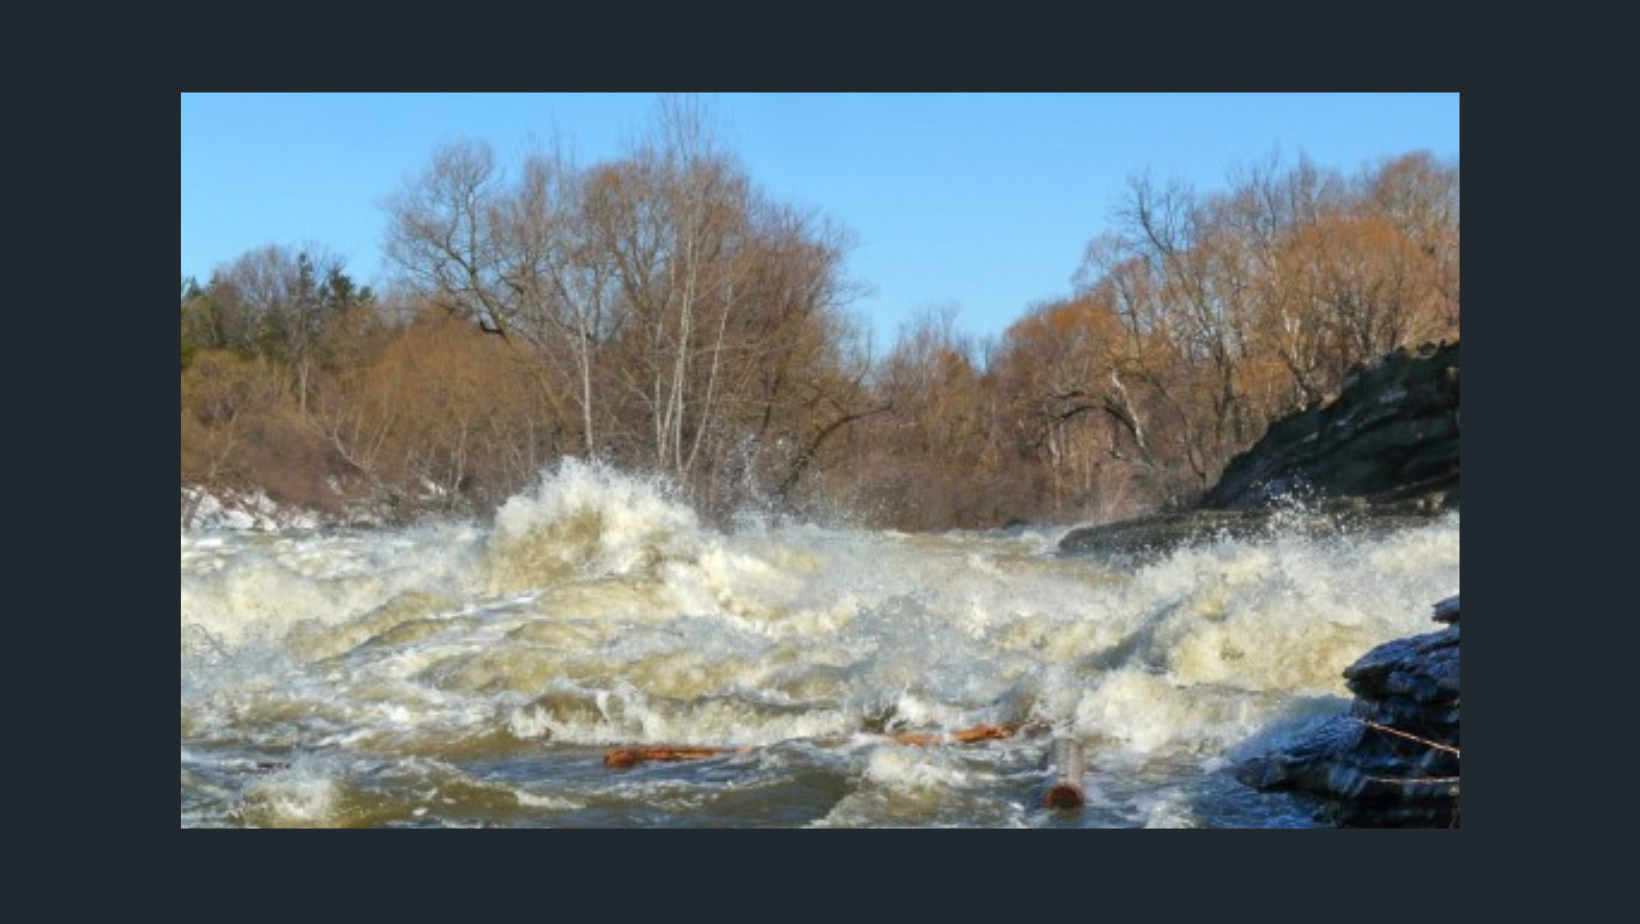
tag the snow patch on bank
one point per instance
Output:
(236, 511)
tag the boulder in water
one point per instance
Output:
(1393, 760)
(1165, 532)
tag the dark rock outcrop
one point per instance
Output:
(1162, 532)
(1383, 456)
(1392, 435)
(1167, 531)
(1393, 760)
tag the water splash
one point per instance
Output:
(598, 611)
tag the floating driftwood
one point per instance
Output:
(966, 736)
(627, 758)
(1066, 764)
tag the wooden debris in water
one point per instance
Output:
(965, 736)
(627, 758)
(1066, 765)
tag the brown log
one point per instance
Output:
(627, 758)
(985, 733)
(1066, 765)
(966, 736)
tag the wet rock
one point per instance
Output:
(1161, 533)
(1393, 761)
(1423, 670)
(1447, 611)
(1391, 435)
(1165, 532)
(1383, 456)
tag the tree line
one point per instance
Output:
(659, 312)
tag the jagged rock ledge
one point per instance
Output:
(1383, 456)
(1393, 760)
(1411, 507)
(1393, 430)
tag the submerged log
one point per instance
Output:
(627, 758)
(985, 733)
(965, 736)
(1066, 765)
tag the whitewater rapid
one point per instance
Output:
(460, 674)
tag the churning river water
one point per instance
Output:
(461, 675)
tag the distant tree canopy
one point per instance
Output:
(661, 313)
(1198, 321)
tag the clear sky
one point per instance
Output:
(984, 201)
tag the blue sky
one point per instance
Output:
(984, 201)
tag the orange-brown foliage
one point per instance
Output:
(662, 314)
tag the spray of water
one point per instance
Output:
(597, 610)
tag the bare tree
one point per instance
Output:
(565, 279)
(442, 233)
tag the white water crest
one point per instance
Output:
(456, 674)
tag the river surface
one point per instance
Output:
(470, 675)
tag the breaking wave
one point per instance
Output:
(597, 610)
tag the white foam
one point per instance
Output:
(295, 798)
(586, 519)
(915, 769)
(242, 587)
(598, 611)
(547, 803)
